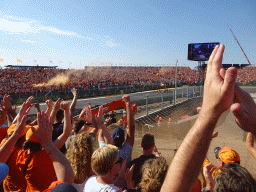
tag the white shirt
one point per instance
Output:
(80, 187)
(93, 186)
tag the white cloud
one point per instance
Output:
(12, 17)
(111, 44)
(29, 41)
(55, 30)
(20, 27)
(15, 27)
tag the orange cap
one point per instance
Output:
(160, 118)
(170, 119)
(12, 128)
(30, 135)
(229, 155)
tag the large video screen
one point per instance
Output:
(200, 51)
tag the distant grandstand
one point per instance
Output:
(29, 67)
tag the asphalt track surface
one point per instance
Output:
(97, 101)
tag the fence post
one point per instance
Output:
(173, 97)
(147, 104)
(187, 91)
(182, 95)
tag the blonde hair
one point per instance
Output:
(79, 156)
(103, 159)
(153, 174)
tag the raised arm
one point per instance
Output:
(7, 147)
(130, 120)
(105, 133)
(55, 108)
(250, 144)
(37, 106)
(61, 165)
(49, 104)
(7, 103)
(60, 141)
(218, 97)
(29, 100)
(73, 104)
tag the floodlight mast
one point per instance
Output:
(239, 44)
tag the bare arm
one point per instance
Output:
(73, 104)
(130, 120)
(106, 134)
(100, 136)
(60, 141)
(218, 97)
(55, 108)
(7, 147)
(61, 165)
(49, 104)
(250, 144)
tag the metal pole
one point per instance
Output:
(147, 104)
(175, 82)
(173, 96)
(162, 99)
(200, 90)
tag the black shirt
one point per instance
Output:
(139, 162)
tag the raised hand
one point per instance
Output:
(44, 131)
(21, 121)
(244, 109)
(37, 106)
(6, 102)
(88, 114)
(56, 105)
(128, 177)
(126, 98)
(64, 105)
(218, 91)
(49, 103)
(99, 117)
(74, 91)
(207, 172)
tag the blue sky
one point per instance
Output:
(123, 32)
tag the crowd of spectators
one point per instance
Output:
(22, 81)
(58, 153)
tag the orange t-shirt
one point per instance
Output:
(15, 180)
(39, 173)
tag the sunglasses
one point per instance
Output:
(119, 160)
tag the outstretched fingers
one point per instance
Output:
(230, 80)
(209, 64)
(217, 59)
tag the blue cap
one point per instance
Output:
(118, 135)
(216, 151)
(64, 187)
(4, 169)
